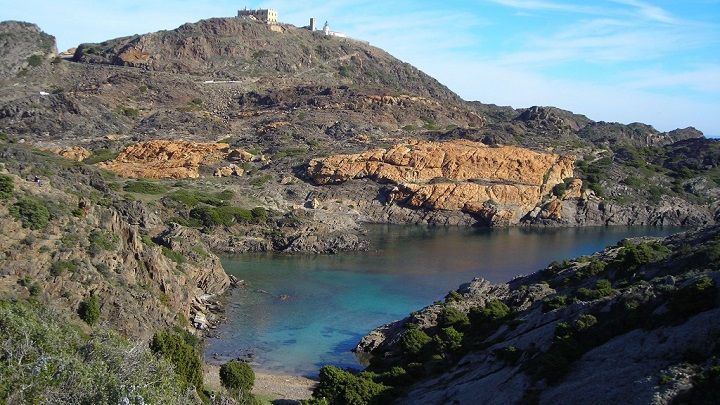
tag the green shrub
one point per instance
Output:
(551, 303)
(339, 387)
(6, 187)
(602, 288)
(60, 267)
(35, 60)
(237, 376)
(508, 354)
(64, 367)
(128, 111)
(177, 257)
(692, 299)
(493, 311)
(259, 181)
(559, 189)
(89, 310)
(32, 213)
(453, 296)
(175, 347)
(100, 155)
(101, 241)
(145, 187)
(453, 317)
(414, 341)
(448, 340)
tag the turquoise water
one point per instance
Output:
(300, 312)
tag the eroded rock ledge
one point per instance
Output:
(500, 184)
(166, 159)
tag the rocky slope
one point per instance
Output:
(22, 47)
(67, 236)
(632, 324)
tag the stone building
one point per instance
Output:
(267, 15)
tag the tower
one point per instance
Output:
(326, 28)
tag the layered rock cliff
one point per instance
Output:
(499, 184)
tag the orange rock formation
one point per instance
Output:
(499, 183)
(165, 159)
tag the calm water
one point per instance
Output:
(298, 313)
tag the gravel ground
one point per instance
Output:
(280, 389)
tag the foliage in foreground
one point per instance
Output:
(181, 349)
(237, 377)
(46, 360)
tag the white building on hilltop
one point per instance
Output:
(326, 30)
(269, 16)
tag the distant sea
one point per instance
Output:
(300, 312)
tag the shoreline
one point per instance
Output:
(289, 389)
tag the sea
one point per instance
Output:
(296, 313)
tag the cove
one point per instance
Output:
(297, 313)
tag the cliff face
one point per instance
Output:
(500, 184)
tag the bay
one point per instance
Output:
(296, 313)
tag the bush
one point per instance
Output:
(492, 312)
(177, 348)
(32, 213)
(65, 368)
(339, 387)
(145, 187)
(237, 377)
(89, 310)
(60, 267)
(508, 354)
(602, 288)
(100, 155)
(453, 317)
(414, 341)
(448, 340)
(6, 187)
(100, 241)
(552, 303)
(35, 60)
(692, 299)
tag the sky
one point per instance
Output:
(655, 62)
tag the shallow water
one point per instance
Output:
(300, 312)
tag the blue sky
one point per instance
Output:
(656, 62)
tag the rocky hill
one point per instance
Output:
(126, 168)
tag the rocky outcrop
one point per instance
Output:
(76, 153)
(24, 46)
(630, 344)
(165, 159)
(499, 184)
(229, 170)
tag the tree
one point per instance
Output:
(237, 377)
(89, 310)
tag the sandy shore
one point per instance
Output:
(286, 388)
